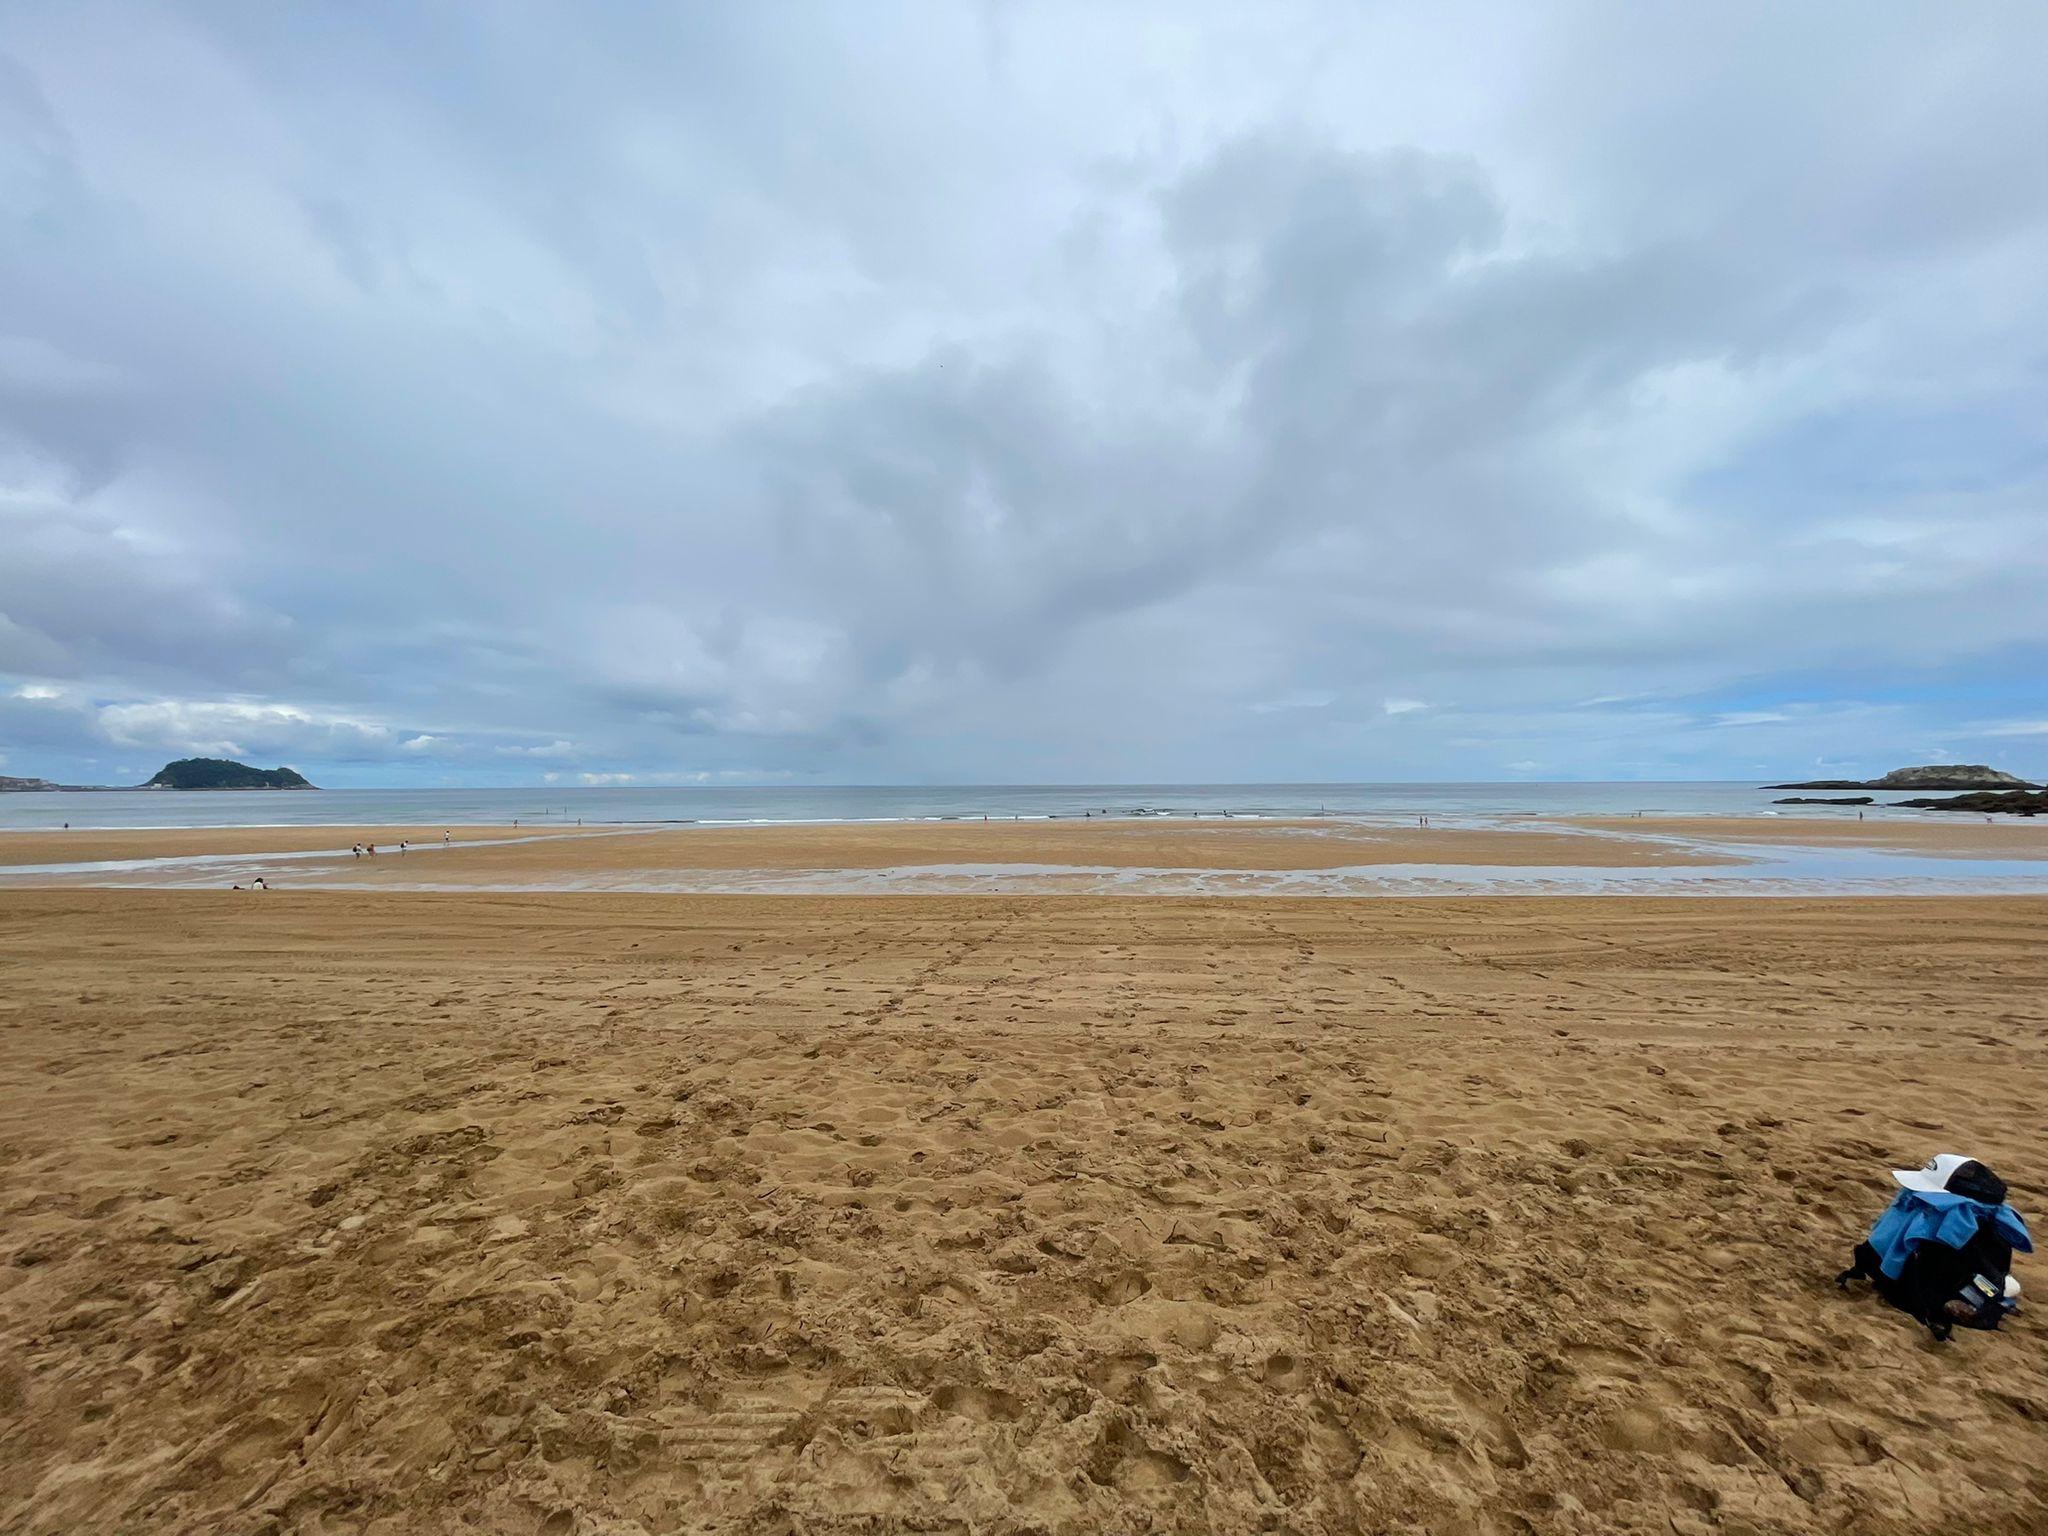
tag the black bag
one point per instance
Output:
(1942, 1286)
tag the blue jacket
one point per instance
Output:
(1917, 1217)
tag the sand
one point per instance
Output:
(595, 858)
(1718, 856)
(2007, 837)
(85, 845)
(500, 857)
(413, 1212)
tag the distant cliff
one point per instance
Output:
(219, 773)
(1930, 776)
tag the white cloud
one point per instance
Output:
(1315, 700)
(32, 365)
(210, 728)
(556, 748)
(1144, 423)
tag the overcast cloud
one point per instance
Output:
(861, 393)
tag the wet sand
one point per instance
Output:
(2005, 837)
(1321, 857)
(410, 1212)
(565, 856)
(90, 845)
(590, 854)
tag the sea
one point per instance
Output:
(740, 806)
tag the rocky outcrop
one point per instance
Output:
(1929, 776)
(1823, 800)
(221, 773)
(185, 773)
(1951, 776)
(2008, 802)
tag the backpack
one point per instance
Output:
(1944, 1284)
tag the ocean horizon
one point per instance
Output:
(780, 804)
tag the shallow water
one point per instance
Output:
(1755, 870)
(553, 806)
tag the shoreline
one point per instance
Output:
(1810, 815)
(1149, 857)
(826, 805)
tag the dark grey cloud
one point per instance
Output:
(894, 393)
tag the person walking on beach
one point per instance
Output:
(444, 838)
(357, 850)
(403, 845)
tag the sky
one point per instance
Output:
(864, 393)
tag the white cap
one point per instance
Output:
(1932, 1179)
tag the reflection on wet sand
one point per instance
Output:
(1705, 856)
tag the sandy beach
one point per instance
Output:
(1946, 835)
(520, 855)
(93, 845)
(1121, 856)
(395, 1211)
